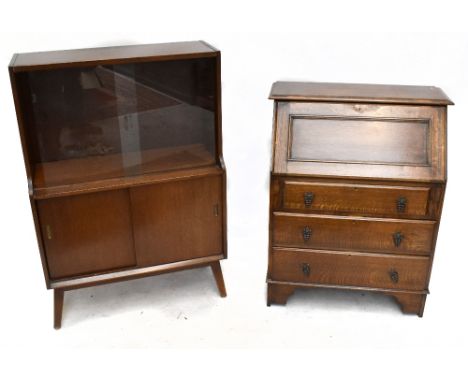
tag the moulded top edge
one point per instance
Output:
(403, 179)
(111, 54)
(360, 93)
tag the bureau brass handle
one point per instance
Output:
(306, 269)
(397, 238)
(394, 276)
(401, 204)
(306, 233)
(308, 198)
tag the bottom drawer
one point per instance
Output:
(353, 269)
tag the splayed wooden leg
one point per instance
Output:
(218, 275)
(58, 307)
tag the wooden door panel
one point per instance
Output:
(177, 221)
(86, 234)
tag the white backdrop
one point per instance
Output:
(333, 333)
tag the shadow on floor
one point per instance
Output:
(343, 300)
(193, 289)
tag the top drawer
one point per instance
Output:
(360, 140)
(356, 198)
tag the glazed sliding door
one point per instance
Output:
(116, 121)
(86, 234)
(178, 220)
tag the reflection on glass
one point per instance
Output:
(111, 121)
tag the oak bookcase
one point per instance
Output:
(123, 154)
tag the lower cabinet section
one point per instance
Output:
(350, 269)
(87, 233)
(143, 226)
(109, 236)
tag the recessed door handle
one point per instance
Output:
(48, 232)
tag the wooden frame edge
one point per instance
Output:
(129, 274)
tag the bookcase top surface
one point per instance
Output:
(111, 55)
(365, 93)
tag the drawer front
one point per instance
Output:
(335, 268)
(356, 234)
(356, 198)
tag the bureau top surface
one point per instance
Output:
(364, 93)
(111, 55)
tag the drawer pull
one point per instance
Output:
(308, 198)
(306, 233)
(397, 238)
(401, 204)
(306, 269)
(394, 276)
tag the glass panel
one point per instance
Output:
(122, 120)
(328, 139)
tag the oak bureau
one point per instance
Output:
(357, 186)
(124, 162)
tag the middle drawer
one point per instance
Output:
(353, 233)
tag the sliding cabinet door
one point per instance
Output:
(177, 220)
(86, 234)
